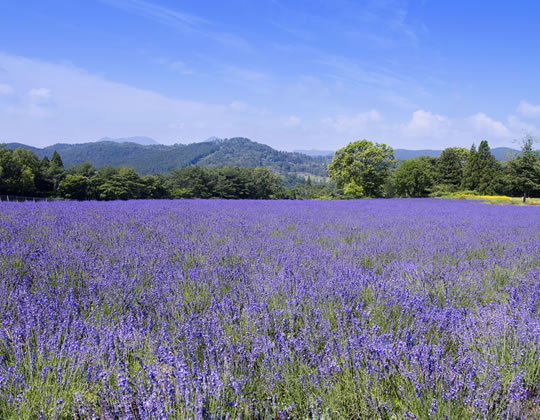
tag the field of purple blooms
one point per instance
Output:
(398, 308)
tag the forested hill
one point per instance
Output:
(160, 159)
(152, 159)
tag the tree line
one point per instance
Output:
(361, 169)
(23, 174)
(366, 169)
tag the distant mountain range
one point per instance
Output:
(313, 152)
(157, 158)
(146, 156)
(145, 141)
(500, 153)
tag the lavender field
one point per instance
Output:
(224, 309)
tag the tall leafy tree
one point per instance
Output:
(450, 165)
(57, 160)
(524, 170)
(9, 172)
(231, 183)
(191, 182)
(489, 170)
(124, 185)
(482, 171)
(361, 168)
(28, 165)
(155, 186)
(86, 169)
(262, 183)
(107, 172)
(413, 178)
(75, 187)
(470, 170)
(56, 169)
(44, 183)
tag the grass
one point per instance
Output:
(494, 199)
(312, 314)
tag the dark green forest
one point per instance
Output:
(474, 171)
(23, 174)
(241, 169)
(160, 159)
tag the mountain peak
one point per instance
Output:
(213, 139)
(144, 141)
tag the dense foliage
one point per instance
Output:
(414, 177)
(160, 159)
(475, 171)
(203, 309)
(361, 169)
(231, 182)
(22, 174)
(524, 170)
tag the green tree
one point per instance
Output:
(490, 170)
(470, 170)
(482, 171)
(86, 169)
(413, 178)
(450, 165)
(56, 171)
(361, 168)
(524, 170)
(125, 184)
(231, 182)
(44, 184)
(262, 183)
(112, 189)
(107, 172)
(27, 158)
(57, 160)
(132, 182)
(27, 170)
(155, 186)
(45, 163)
(74, 187)
(191, 182)
(9, 172)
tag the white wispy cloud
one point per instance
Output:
(425, 123)
(63, 103)
(160, 13)
(357, 74)
(399, 101)
(41, 104)
(40, 94)
(249, 79)
(382, 22)
(353, 123)
(53, 102)
(487, 126)
(181, 21)
(463, 131)
(516, 124)
(87, 107)
(528, 110)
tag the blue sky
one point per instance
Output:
(291, 74)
